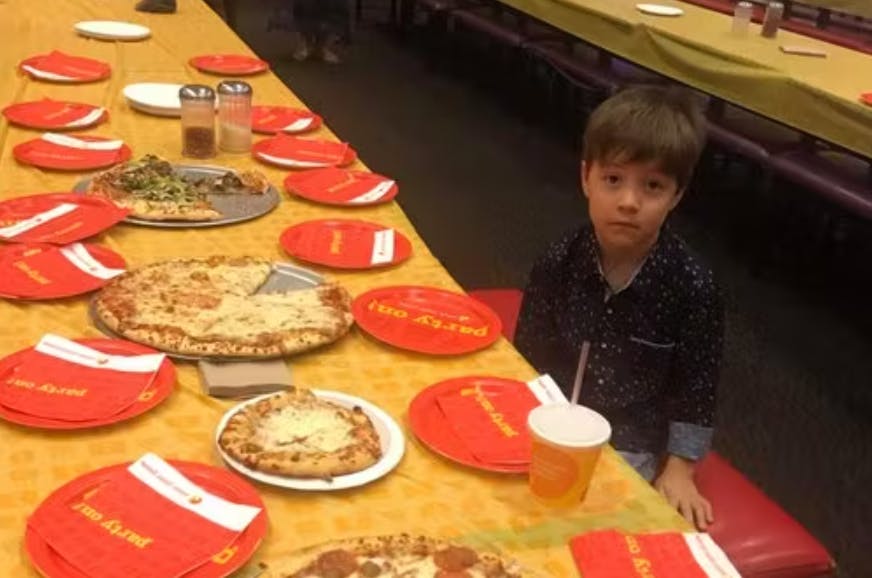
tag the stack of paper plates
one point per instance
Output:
(157, 98)
(112, 30)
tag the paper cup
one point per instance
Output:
(567, 442)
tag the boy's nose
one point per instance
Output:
(629, 200)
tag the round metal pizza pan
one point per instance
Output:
(391, 440)
(284, 277)
(234, 208)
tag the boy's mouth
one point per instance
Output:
(624, 225)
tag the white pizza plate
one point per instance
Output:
(391, 438)
(112, 30)
(659, 10)
(158, 98)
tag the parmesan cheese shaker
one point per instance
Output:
(234, 116)
(742, 18)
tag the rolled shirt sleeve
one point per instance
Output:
(696, 371)
(689, 441)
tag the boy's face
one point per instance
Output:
(628, 202)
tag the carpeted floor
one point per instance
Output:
(489, 184)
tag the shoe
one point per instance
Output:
(157, 6)
(329, 52)
(301, 48)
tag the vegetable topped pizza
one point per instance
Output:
(154, 190)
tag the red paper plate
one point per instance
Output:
(427, 319)
(297, 153)
(45, 154)
(10, 253)
(48, 114)
(346, 243)
(159, 390)
(215, 480)
(229, 64)
(57, 66)
(429, 425)
(275, 119)
(92, 215)
(333, 186)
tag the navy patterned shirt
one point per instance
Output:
(655, 345)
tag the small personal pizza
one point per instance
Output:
(210, 307)
(153, 190)
(394, 556)
(294, 433)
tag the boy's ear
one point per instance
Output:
(585, 174)
(679, 194)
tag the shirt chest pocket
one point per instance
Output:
(650, 362)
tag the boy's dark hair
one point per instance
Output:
(645, 124)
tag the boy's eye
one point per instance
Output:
(655, 185)
(612, 179)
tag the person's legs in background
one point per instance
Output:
(305, 28)
(335, 16)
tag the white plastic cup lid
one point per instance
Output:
(569, 425)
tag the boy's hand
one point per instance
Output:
(676, 484)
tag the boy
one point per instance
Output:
(650, 311)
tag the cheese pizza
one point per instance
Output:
(210, 307)
(153, 190)
(294, 433)
(397, 556)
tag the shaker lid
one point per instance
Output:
(234, 87)
(196, 92)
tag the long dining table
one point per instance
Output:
(426, 493)
(820, 96)
(852, 7)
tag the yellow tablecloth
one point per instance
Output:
(425, 494)
(816, 95)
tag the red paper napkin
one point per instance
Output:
(340, 186)
(148, 520)
(64, 380)
(56, 218)
(42, 271)
(66, 152)
(274, 119)
(305, 151)
(54, 114)
(491, 421)
(612, 554)
(68, 66)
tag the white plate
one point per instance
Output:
(659, 10)
(159, 98)
(112, 30)
(391, 439)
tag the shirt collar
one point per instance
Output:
(649, 272)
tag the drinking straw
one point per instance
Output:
(579, 374)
